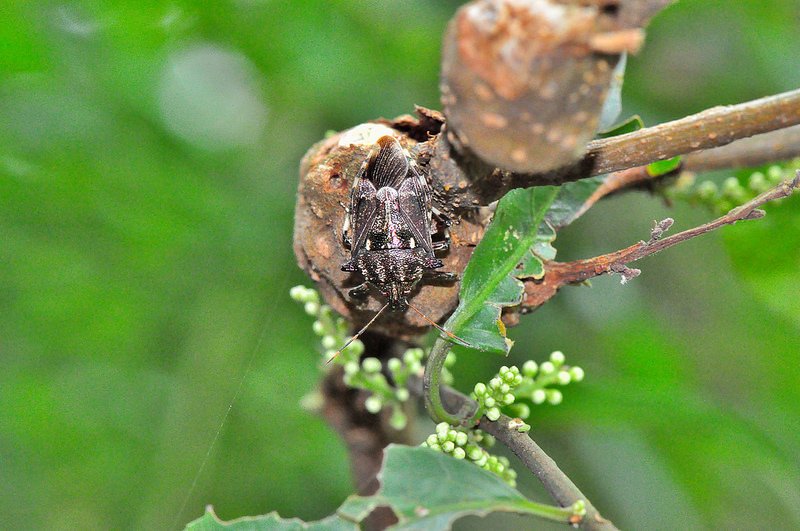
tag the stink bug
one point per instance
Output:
(390, 216)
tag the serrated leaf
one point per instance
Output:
(613, 104)
(426, 490)
(629, 125)
(531, 267)
(488, 283)
(269, 522)
(663, 167)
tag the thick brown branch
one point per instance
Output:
(557, 484)
(775, 146)
(466, 182)
(711, 128)
(558, 274)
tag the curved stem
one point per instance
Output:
(431, 381)
(469, 414)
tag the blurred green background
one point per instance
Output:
(148, 165)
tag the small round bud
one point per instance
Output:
(775, 173)
(757, 182)
(538, 396)
(451, 435)
(488, 440)
(480, 389)
(431, 440)
(311, 307)
(707, 190)
(459, 453)
(328, 341)
(503, 370)
(373, 404)
(499, 468)
(318, 328)
(481, 460)
(554, 396)
(493, 413)
(442, 427)
(508, 399)
(530, 368)
(474, 452)
(441, 436)
(564, 377)
(461, 438)
(436, 447)
(402, 394)
(489, 402)
(547, 368)
(351, 367)
(495, 382)
(448, 446)
(557, 357)
(356, 348)
(504, 388)
(398, 420)
(394, 365)
(522, 410)
(302, 293)
(577, 374)
(371, 365)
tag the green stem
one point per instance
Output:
(431, 383)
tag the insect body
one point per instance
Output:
(391, 215)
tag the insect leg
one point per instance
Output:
(359, 292)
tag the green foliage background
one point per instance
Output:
(148, 164)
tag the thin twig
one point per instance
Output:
(558, 274)
(560, 487)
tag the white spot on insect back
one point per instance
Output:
(365, 135)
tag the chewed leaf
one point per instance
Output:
(568, 205)
(489, 281)
(425, 489)
(269, 522)
(629, 125)
(663, 167)
(530, 267)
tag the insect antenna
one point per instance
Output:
(357, 335)
(449, 334)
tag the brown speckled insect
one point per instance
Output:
(391, 219)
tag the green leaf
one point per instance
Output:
(489, 283)
(568, 205)
(426, 490)
(269, 522)
(613, 104)
(663, 167)
(634, 123)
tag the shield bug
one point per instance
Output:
(391, 219)
(390, 216)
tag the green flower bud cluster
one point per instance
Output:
(332, 329)
(467, 445)
(534, 382)
(499, 391)
(360, 373)
(539, 380)
(731, 193)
